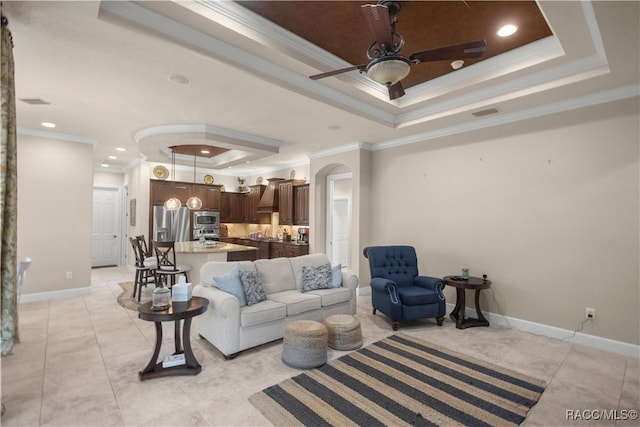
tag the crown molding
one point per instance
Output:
(612, 95)
(56, 135)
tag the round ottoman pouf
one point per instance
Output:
(344, 332)
(305, 344)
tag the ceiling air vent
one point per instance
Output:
(486, 112)
(35, 101)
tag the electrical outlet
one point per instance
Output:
(590, 313)
(69, 275)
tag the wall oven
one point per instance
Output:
(206, 224)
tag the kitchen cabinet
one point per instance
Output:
(231, 207)
(262, 245)
(288, 250)
(269, 249)
(160, 191)
(212, 197)
(251, 205)
(286, 204)
(301, 204)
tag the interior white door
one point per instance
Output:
(105, 236)
(341, 233)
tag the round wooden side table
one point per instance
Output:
(461, 285)
(175, 312)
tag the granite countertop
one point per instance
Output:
(210, 247)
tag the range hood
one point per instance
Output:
(269, 201)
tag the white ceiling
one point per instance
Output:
(105, 68)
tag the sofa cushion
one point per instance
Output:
(314, 278)
(230, 282)
(297, 302)
(262, 312)
(311, 260)
(275, 274)
(253, 290)
(332, 296)
(217, 268)
(336, 276)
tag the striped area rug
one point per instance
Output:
(401, 380)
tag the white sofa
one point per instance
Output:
(232, 328)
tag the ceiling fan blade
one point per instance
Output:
(474, 49)
(396, 91)
(377, 17)
(340, 71)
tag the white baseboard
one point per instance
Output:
(61, 294)
(567, 335)
(364, 291)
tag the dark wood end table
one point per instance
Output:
(461, 285)
(177, 311)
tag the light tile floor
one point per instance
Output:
(78, 363)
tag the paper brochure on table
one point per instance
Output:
(173, 360)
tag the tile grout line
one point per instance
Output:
(104, 364)
(44, 363)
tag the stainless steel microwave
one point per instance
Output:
(206, 219)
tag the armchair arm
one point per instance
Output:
(433, 283)
(386, 286)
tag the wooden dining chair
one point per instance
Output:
(145, 274)
(167, 266)
(143, 246)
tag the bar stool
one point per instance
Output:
(145, 273)
(167, 266)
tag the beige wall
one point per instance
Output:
(549, 212)
(55, 213)
(357, 162)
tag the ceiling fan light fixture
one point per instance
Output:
(389, 70)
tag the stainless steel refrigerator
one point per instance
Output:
(171, 225)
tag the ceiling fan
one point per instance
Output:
(386, 66)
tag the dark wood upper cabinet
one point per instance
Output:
(301, 204)
(212, 198)
(286, 207)
(160, 191)
(252, 200)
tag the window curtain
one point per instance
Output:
(8, 193)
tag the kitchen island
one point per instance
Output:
(193, 254)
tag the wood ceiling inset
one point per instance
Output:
(339, 27)
(190, 150)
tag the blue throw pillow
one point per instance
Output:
(336, 276)
(314, 278)
(230, 282)
(253, 289)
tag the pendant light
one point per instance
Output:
(173, 204)
(194, 202)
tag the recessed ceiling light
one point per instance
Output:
(120, 149)
(179, 79)
(457, 64)
(113, 157)
(48, 124)
(204, 151)
(507, 30)
(104, 165)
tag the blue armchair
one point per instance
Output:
(396, 288)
